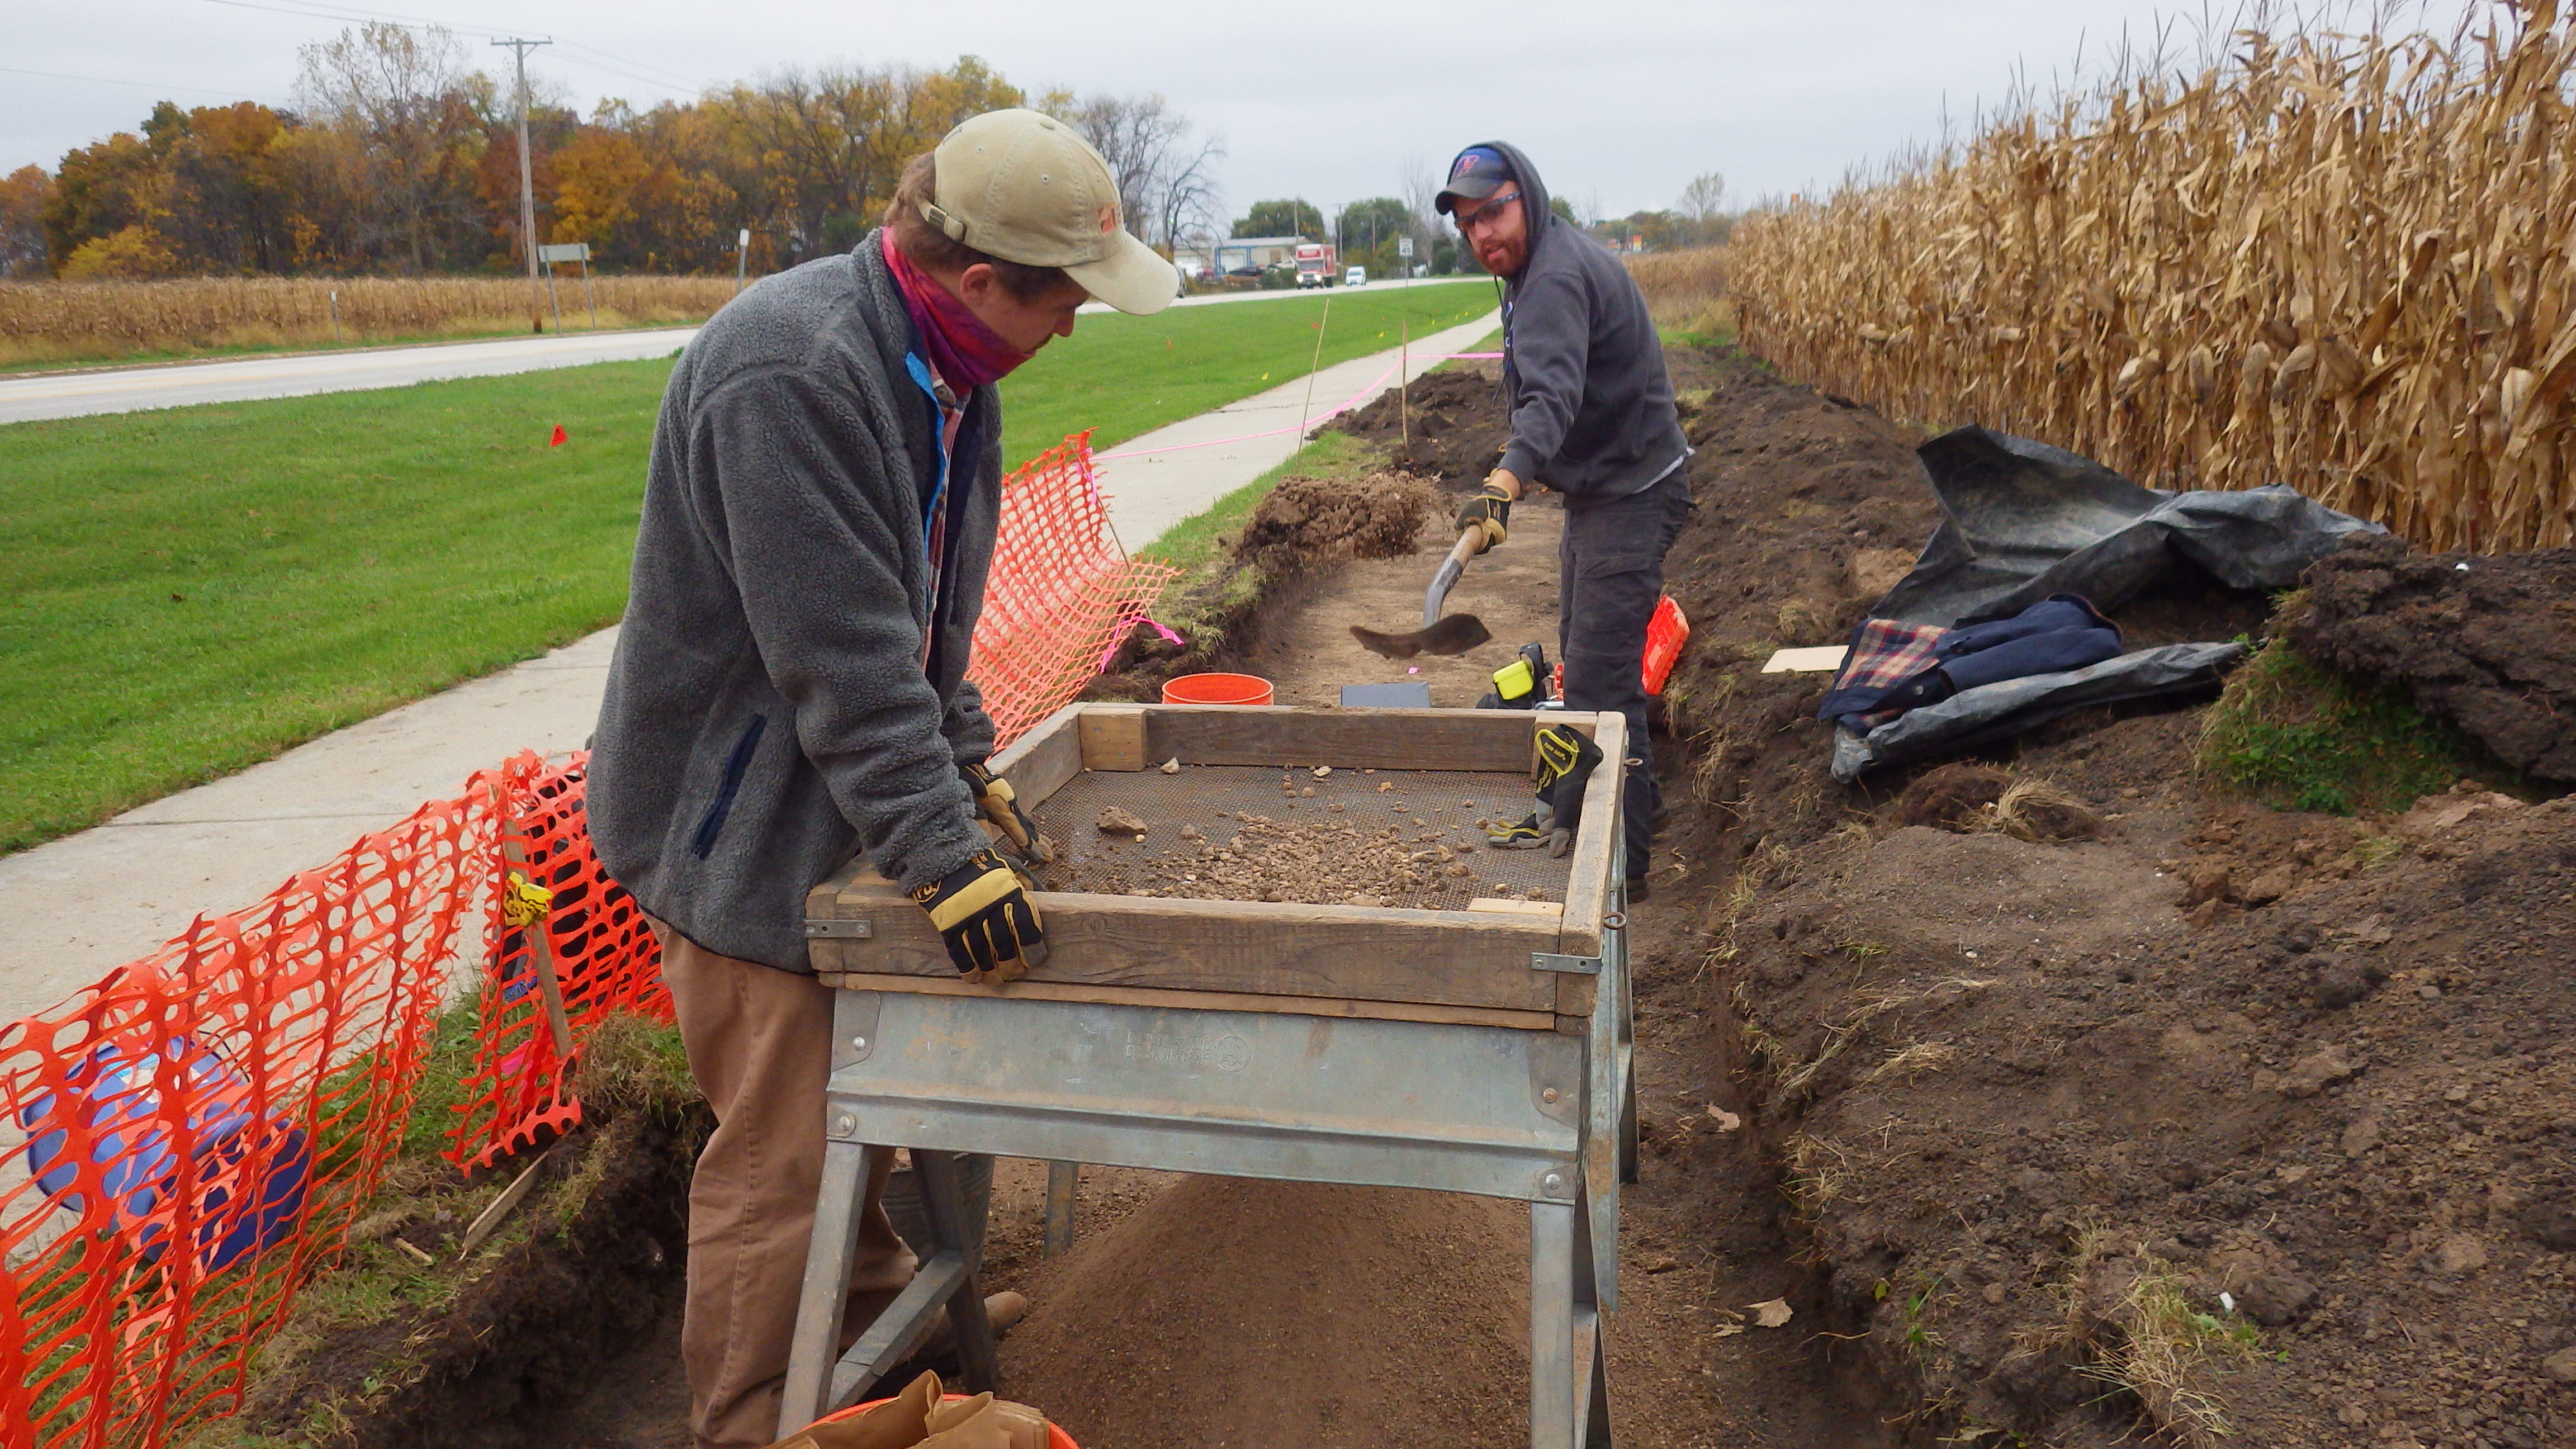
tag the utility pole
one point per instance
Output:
(527, 186)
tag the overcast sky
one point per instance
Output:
(1619, 105)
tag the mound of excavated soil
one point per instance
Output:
(2018, 1095)
(1448, 426)
(2489, 643)
(1306, 523)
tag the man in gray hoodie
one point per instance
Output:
(1592, 417)
(789, 687)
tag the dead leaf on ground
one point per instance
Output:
(1772, 1314)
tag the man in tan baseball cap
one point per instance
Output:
(789, 687)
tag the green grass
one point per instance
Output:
(2297, 736)
(1122, 376)
(187, 592)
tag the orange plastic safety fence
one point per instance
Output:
(1063, 595)
(193, 1135)
(197, 1131)
(600, 952)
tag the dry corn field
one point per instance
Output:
(2337, 262)
(41, 321)
(1685, 289)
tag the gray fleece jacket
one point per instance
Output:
(1592, 408)
(768, 712)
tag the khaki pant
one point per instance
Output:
(760, 1047)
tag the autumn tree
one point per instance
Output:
(24, 194)
(415, 119)
(1166, 174)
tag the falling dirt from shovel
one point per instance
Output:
(1440, 633)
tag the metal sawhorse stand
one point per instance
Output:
(1547, 1117)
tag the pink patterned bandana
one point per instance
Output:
(965, 351)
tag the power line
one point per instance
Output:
(616, 65)
(109, 81)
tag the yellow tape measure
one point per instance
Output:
(524, 902)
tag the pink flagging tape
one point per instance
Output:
(1111, 653)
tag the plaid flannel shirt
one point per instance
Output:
(1884, 653)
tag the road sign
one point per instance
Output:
(1404, 246)
(565, 252)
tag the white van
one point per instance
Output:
(1355, 277)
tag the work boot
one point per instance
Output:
(1002, 1310)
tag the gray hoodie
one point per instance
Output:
(768, 712)
(1592, 409)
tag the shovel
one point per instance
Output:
(1455, 634)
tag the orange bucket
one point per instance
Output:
(1216, 689)
(1056, 1438)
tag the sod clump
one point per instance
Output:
(2294, 735)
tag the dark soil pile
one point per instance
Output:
(1310, 523)
(2488, 643)
(2040, 1127)
(2038, 1106)
(1448, 426)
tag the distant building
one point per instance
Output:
(1257, 251)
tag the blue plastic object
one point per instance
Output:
(116, 1095)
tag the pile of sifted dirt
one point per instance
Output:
(1448, 426)
(2486, 642)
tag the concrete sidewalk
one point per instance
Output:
(83, 905)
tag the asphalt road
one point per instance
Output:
(133, 389)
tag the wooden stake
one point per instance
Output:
(1309, 409)
(1403, 375)
(489, 1220)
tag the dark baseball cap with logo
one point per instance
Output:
(1479, 172)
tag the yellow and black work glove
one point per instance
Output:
(985, 919)
(1001, 805)
(1565, 763)
(1489, 511)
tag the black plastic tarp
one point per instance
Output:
(2021, 521)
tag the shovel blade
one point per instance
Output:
(1455, 634)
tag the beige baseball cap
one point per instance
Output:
(1024, 187)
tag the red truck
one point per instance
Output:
(1315, 264)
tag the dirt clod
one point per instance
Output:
(2487, 642)
(1118, 820)
(1951, 796)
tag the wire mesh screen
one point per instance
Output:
(1257, 832)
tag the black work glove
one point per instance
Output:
(1001, 805)
(1565, 761)
(985, 919)
(1489, 512)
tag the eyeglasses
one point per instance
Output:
(1490, 211)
